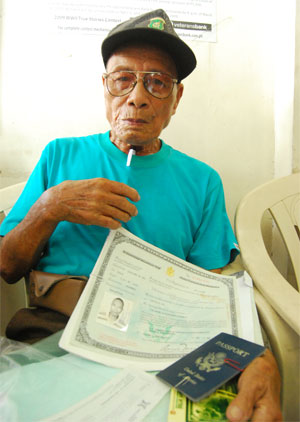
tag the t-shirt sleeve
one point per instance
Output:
(215, 244)
(36, 185)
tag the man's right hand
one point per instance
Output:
(97, 201)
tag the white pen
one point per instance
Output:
(129, 157)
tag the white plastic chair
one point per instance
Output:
(278, 301)
(12, 296)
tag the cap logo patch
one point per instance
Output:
(157, 23)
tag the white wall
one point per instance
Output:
(231, 115)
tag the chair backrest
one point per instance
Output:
(12, 296)
(8, 197)
(282, 198)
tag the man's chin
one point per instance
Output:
(135, 137)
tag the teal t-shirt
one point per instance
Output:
(181, 210)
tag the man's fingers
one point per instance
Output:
(108, 216)
(122, 204)
(240, 409)
(264, 414)
(234, 413)
(115, 198)
(260, 410)
(118, 214)
(94, 201)
(259, 392)
(109, 223)
(121, 189)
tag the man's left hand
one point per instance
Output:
(258, 396)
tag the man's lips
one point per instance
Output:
(134, 121)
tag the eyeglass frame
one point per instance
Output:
(174, 81)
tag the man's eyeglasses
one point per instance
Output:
(158, 84)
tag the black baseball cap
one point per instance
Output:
(155, 28)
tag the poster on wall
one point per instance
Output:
(192, 19)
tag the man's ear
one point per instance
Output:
(178, 97)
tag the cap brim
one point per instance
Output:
(180, 52)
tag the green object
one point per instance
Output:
(213, 408)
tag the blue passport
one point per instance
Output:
(202, 371)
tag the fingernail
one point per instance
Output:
(236, 413)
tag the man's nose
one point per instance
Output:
(139, 96)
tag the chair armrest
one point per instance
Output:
(285, 345)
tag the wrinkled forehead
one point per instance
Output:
(142, 53)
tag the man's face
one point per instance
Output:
(116, 307)
(138, 118)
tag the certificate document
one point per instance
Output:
(145, 306)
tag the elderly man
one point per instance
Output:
(82, 187)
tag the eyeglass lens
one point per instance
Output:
(159, 85)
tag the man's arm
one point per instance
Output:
(98, 201)
(258, 396)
